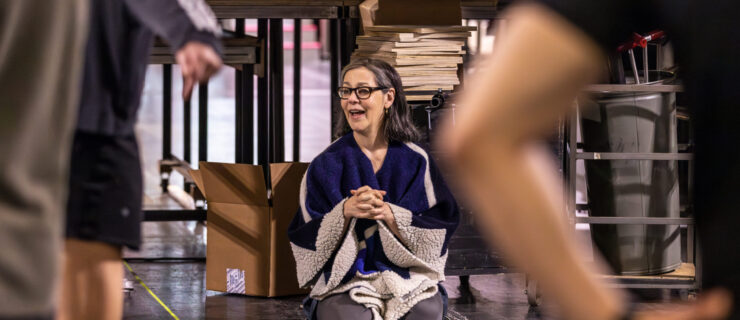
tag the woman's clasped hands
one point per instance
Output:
(367, 203)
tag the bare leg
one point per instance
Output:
(533, 77)
(91, 285)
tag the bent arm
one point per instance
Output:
(178, 22)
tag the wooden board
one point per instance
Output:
(428, 88)
(431, 79)
(412, 50)
(382, 41)
(414, 60)
(433, 68)
(418, 73)
(420, 29)
(411, 37)
(686, 271)
(391, 48)
(419, 97)
(274, 2)
(430, 82)
(409, 53)
(416, 64)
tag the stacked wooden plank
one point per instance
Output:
(426, 57)
(236, 51)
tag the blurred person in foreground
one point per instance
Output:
(104, 211)
(41, 54)
(550, 50)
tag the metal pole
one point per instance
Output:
(167, 111)
(572, 152)
(186, 139)
(276, 89)
(186, 132)
(203, 122)
(297, 48)
(343, 42)
(351, 28)
(238, 102)
(631, 53)
(263, 125)
(334, 82)
(645, 63)
(164, 175)
(247, 114)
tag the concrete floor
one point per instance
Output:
(180, 285)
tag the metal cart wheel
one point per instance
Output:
(534, 296)
(688, 294)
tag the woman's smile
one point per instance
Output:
(357, 114)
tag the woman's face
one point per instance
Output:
(365, 115)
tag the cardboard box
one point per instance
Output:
(418, 12)
(248, 250)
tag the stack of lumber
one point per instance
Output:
(426, 57)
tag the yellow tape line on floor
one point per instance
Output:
(141, 282)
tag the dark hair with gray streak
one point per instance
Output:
(397, 124)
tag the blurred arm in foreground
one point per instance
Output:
(531, 79)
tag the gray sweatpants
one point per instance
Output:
(41, 47)
(341, 306)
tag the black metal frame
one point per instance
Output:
(203, 122)
(270, 85)
(187, 131)
(263, 102)
(334, 74)
(277, 89)
(164, 175)
(297, 48)
(244, 95)
(245, 116)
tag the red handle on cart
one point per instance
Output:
(640, 41)
(654, 35)
(636, 41)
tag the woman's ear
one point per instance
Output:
(390, 96)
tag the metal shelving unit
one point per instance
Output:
(686, 278)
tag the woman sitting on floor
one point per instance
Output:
(376, 216)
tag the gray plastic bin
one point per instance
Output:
(633, 122)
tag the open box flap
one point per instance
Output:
(233, 183)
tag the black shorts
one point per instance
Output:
(105, 190)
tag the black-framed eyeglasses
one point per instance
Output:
(362, 92)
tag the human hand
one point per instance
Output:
(365, 203)
(377, 194)
(381, 210)
(198, 62)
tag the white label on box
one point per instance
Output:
(235, 281)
